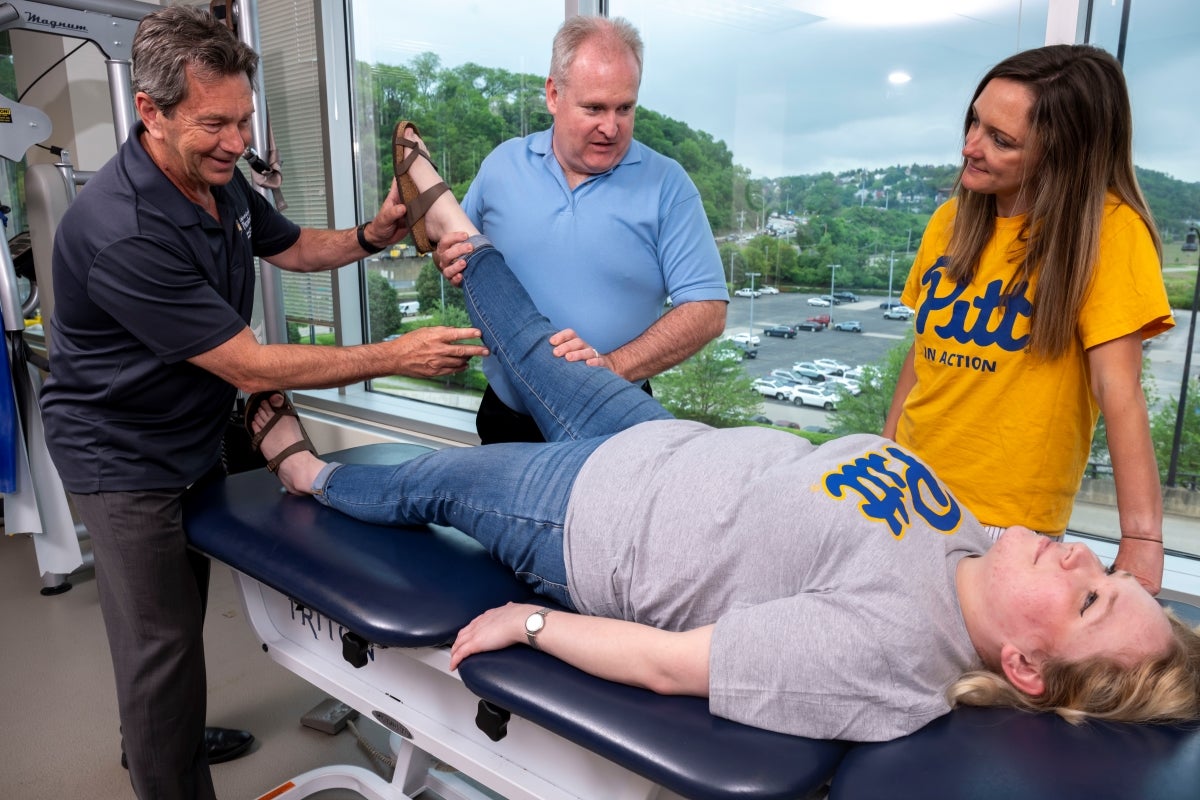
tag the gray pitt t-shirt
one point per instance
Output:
(829, 571)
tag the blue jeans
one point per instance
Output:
(512, 498)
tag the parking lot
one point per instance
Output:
(1165, 354)
(877, 338)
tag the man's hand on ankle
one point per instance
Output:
(450, 256)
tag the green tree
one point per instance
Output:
(1162, 433)
(455, 317)
(867, 412)
(710, 387)
(383, 307)
(430, 289)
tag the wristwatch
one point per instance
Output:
(534, 624)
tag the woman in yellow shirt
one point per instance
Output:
(1034, 287)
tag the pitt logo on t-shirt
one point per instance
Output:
(971, 318)
(891, 482)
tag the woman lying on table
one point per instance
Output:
(837, 591)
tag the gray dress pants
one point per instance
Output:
(153, 592)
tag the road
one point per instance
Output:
(1165, 355)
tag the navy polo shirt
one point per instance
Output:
(143, 280)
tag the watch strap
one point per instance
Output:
(367, 247)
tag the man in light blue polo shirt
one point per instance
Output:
(600, 229)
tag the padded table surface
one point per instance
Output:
(673, 741)
(997, 754)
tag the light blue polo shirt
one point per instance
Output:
(601, 259)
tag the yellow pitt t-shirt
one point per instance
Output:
(1008, 432)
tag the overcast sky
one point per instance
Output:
(798, 86)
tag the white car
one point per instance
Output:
(834, 366)
(806, 367)
(899, 312)
(814, 396)
(818, 301)
(867, 374)
(773, 388)
(768, 290)
(850, 385)
(745, 291)
(744, 338)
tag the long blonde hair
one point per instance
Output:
(1161, 689)
(1081, 131)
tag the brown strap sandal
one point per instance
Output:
(418, 203)
(286, 410)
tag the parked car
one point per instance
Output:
(840, 383)
(818, 301)
(737, 351)
(867, 374)
(746, 291)
(787, 423)
(807, 370)
(748, 350)
(822, 319)
(743, 338)
(816, 366)
(898, 312)
(768, 290)
(809, 325)
(787, 377)
(831, 366)
(814, 396)
(816, 429)
(769, 387)
(761, 419)
(786, 331)
(886, 304)
(846, 297)
(851, 325)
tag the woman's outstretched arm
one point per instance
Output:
(1116, 384)
(665, 662)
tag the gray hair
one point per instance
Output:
(580, 29)
(174, 38)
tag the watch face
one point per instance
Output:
(535, 623)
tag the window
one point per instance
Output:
(469, 77)
(1159, 49)
(291, 78)
(811, 101)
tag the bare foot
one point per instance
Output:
(446, 215)
(297, 471)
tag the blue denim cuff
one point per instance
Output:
(318, 486)
(479, 242)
